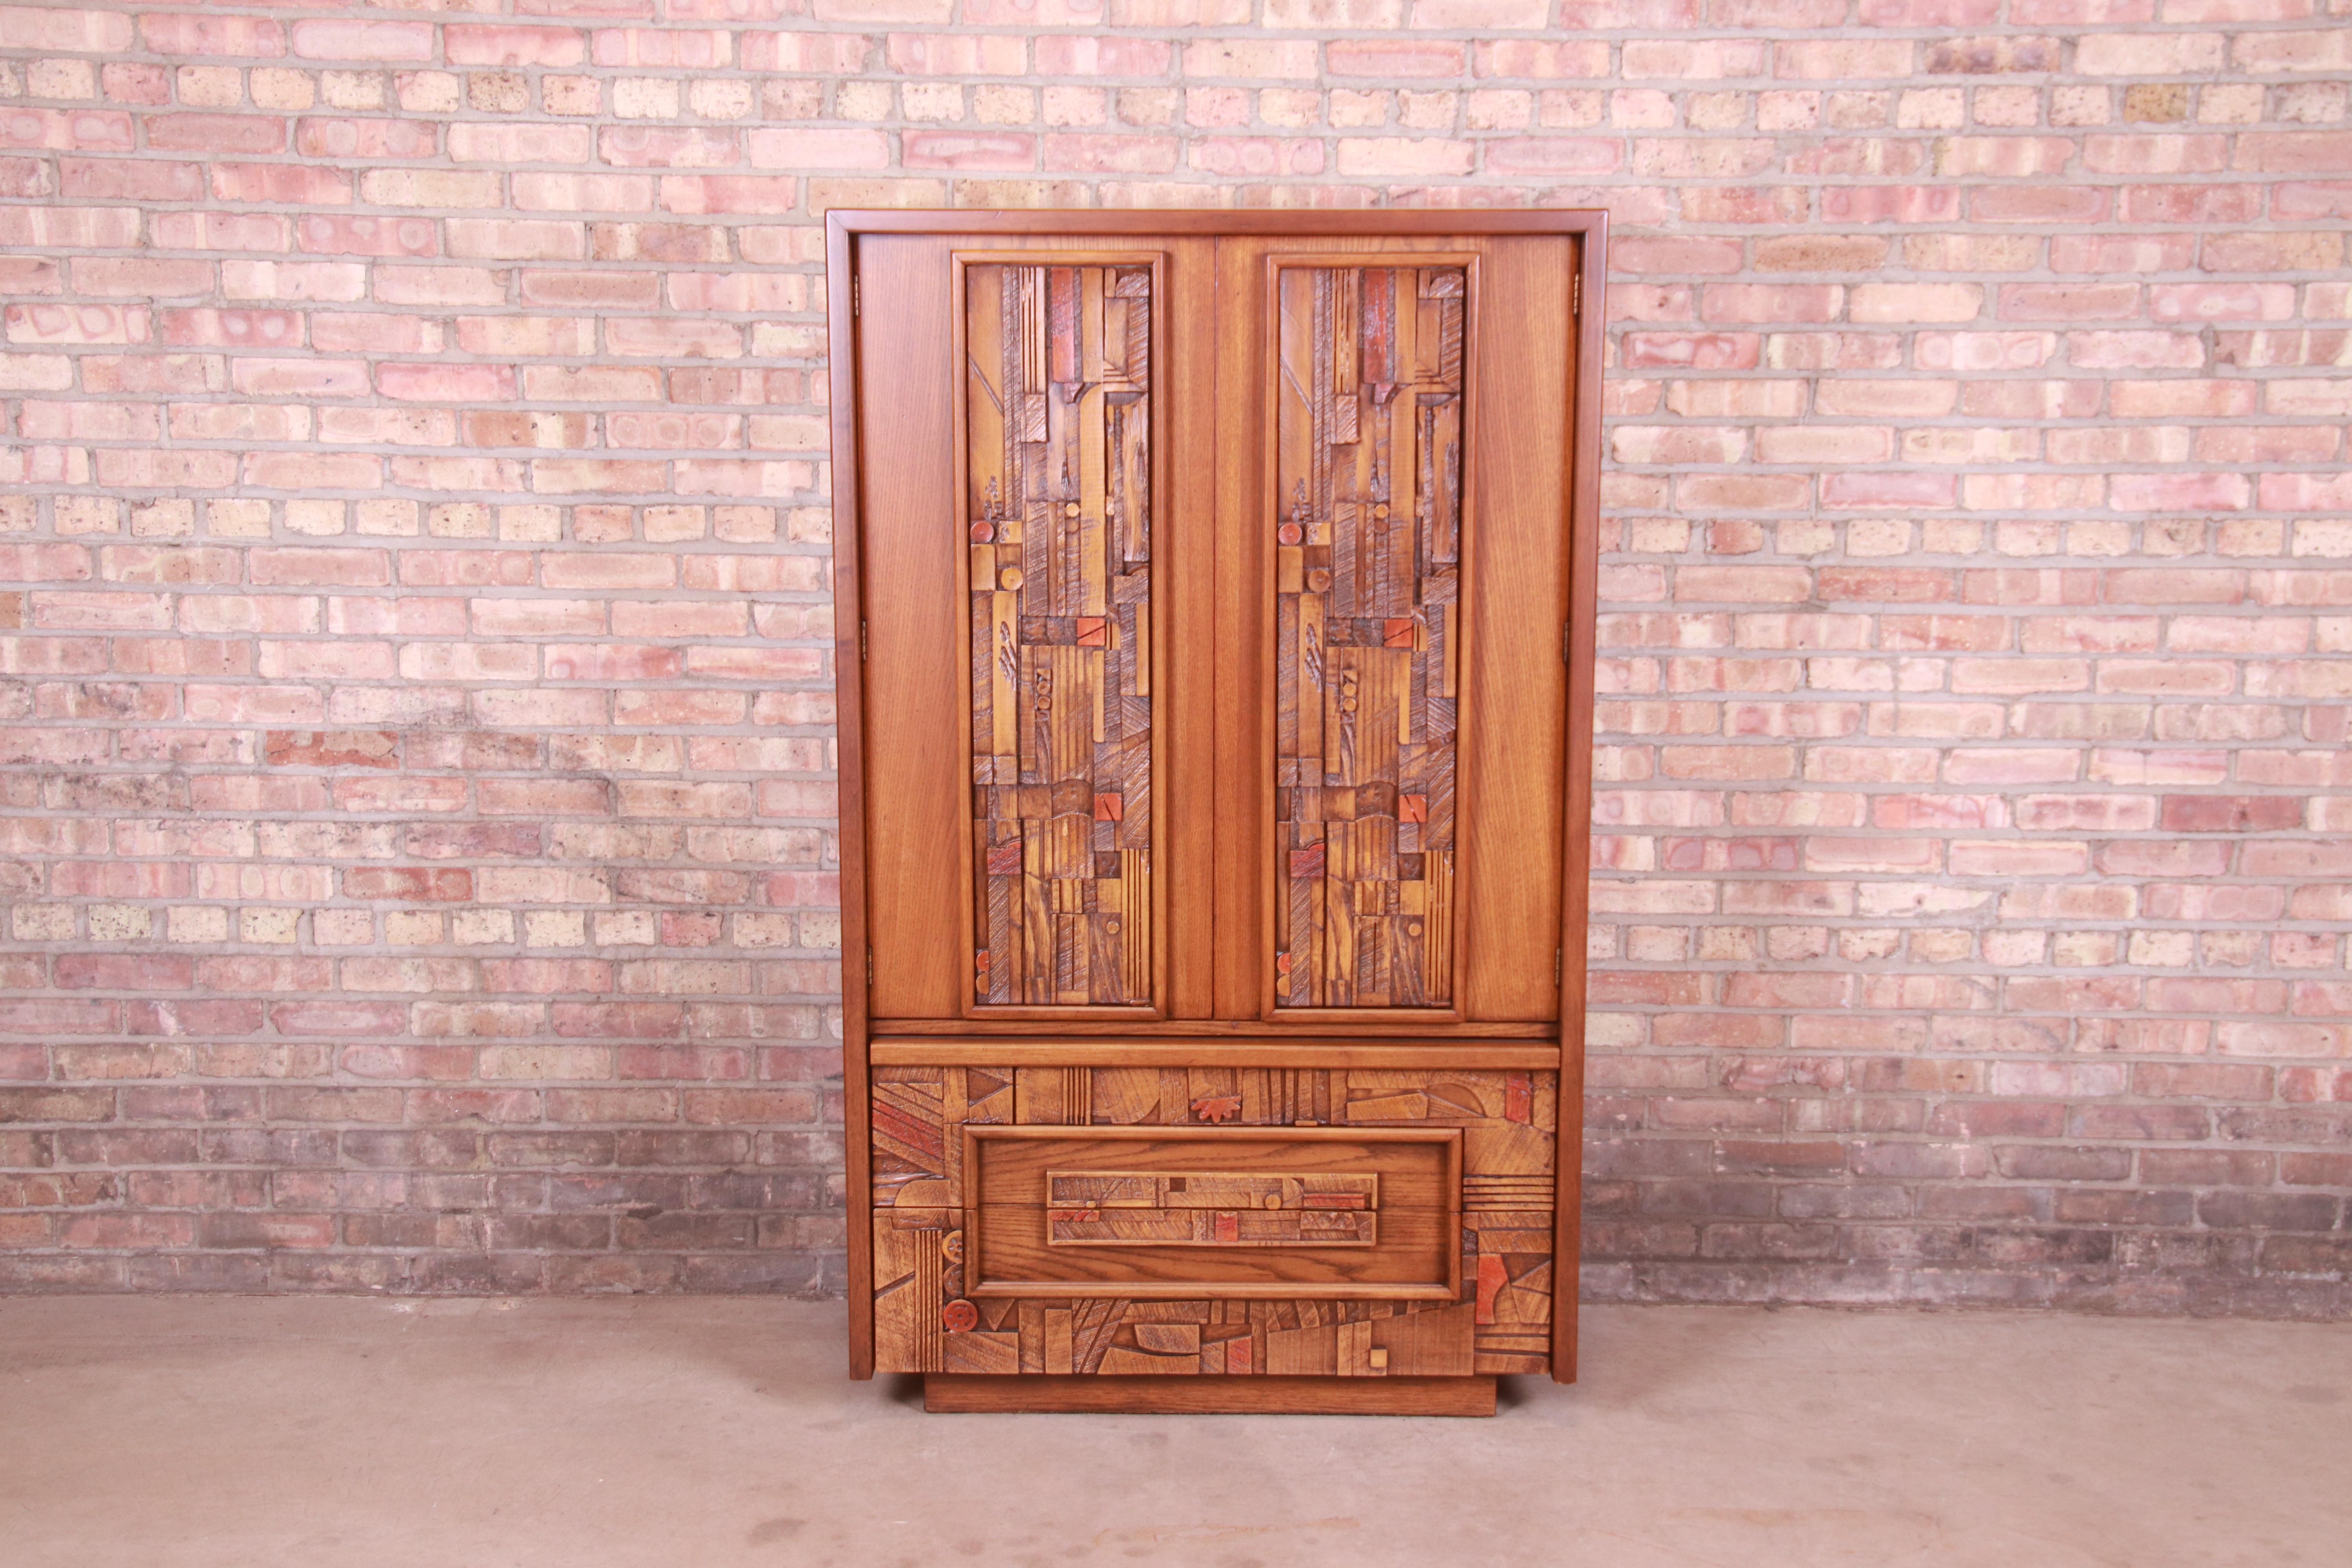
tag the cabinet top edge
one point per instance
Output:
(1489, 1055)
(1284, 223)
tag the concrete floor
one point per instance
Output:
(188, 1432)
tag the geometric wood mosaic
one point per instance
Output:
(1211, 1208)
(1500, 1321)
(1368, 550)
(1059, 511)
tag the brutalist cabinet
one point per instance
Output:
(1215, 638)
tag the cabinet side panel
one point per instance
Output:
(1576, 886)
(841, 330)
(914, 767)
(1517, 576)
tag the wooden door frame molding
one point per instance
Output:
(844, 227)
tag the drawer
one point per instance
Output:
(1453, 1159)
(1200, 1214)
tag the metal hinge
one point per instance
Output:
(856, 295)
(1568, 642)
(1576, 293)
(1559, 967)
(869, 967)
(862, 654)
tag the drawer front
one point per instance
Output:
(1360, 1297)
(1204, 1213)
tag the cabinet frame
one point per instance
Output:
(844, 227)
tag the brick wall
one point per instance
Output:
(414, 731)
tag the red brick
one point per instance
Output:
(479, 44)
(1972, 682)
(1109, 154)
(412, 884)
(250, 37)
(217, 132)
(962, 150)
(1102, 55)
(1388, 58)
(363, 40)
(123, 971)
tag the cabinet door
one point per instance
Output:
(1030, 547)
(1393, 581)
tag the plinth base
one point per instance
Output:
(955, 1392)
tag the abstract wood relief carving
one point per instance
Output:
(1058, 503)
(1413, 1252)
(1211, 1208)
(927, 1319)
(1368, 549)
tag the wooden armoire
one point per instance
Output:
(1216, 598)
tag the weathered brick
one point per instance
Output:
(1971, 721)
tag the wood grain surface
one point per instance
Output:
(952, 1393)
(1115, 747)
(941, 1200)
(917, 806)
(1514, 833)
(1368, 532)
(1058, 509)
(1290, 1051)
(1384, 225)
(1407, 1249)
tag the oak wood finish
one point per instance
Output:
(1511, 720)
(1408, 1249)
(1284, 1053)
(1054, 442)
(927, 1181)
(956, 1393)
(848, 653)
(1402, 1025)
(1583, 614)
(924, 889)
(1130, 366)
(1515, 733)
(916, 770)
(1367, 507)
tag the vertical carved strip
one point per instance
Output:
(909, 1294)
(1060, 501)
(1367, 566)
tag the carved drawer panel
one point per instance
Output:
(1028, 1219)
(1127, 1214)
(1212, 1208)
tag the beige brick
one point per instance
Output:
(417, 625)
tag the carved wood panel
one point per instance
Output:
(1404, 1244)
(1500, 1321)
(1368, 551)
(1059, 505)
(1212, 1208)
